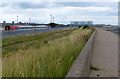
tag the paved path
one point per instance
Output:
(105, 54)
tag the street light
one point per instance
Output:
(29, 20)
(17, 19)
(51, 17)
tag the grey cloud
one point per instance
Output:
(3, 4)
(88, 4)
(26, 5)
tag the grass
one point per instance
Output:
(24, 42)
(53, 59)
(26, 38)
(95, 68)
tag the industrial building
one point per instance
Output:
(81, 23)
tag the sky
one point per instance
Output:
(64, 11)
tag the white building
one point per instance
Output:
(81, 23)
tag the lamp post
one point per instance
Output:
(51, 18)
(29, 20)
(17, 19)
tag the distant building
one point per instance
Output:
(107, 26)
(2, 25)
(99, 24)
(81, 23)
(22, 26)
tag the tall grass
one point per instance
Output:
(53, 59)
(26, 38)
(14, 44)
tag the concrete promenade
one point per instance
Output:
(105, 54)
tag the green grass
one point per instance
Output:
(24, 42)
(53, 59)
(95, 68)
(20, 39)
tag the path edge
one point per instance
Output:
(81, 66)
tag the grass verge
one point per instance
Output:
(53, 59)
(14, 44)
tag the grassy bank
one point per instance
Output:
(14, 44)
(53, 59)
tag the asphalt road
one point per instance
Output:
(6, 34)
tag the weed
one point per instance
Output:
(52, 59)
(95, 68)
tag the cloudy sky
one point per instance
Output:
(75, 10)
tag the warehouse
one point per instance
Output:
(81, 23)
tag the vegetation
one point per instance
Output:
(48, 59)
(24, 42)
(85, 26)
(95, 68)
(80, 26)
(53, 25)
